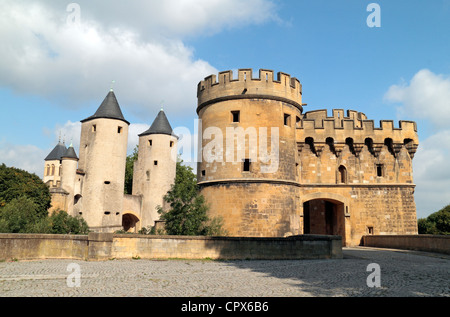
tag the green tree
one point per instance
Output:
(436, 223)
(187, 214)
(20, 215)
(129, 167)
(15, 183)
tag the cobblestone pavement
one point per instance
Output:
(402, 273)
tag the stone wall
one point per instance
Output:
(105, 246)
(429, 243)
(42, 246)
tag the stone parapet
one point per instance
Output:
(223, 87)
(104, 246)
(421, 242)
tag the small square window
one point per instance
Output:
(287, 119)
(203, 173)
(155, 163)
(236, 116)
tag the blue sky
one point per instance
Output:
(55, 72)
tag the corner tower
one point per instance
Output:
(154, 171)
(247, 171)
(103, 150)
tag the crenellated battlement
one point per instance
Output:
(355, 129)
(224, 87)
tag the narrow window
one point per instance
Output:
(203, 173)
(53, 169)
(246, 165)
(107, 212)
(47, 172)
(155, 163)
(342, 174)
(94, 128)
(148, 175)
(119, 129)
(235, 116)
(171, 143)
(370, 230)
(380, 170)
(107, 182)
(149, 142)
(287, 119)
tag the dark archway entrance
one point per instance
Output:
(129, 222)
(324, 216)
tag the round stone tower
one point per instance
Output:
(103, 151)
(154, 171)
(248, 168)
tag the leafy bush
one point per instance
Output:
(60, 222)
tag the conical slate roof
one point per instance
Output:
(58, 151)
(70, 153)
(160, 126)
(109, 109)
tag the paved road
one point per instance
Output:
(402, 274)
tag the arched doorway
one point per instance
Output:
(130, 222)
(324, 216)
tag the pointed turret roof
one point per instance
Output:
(58, 151)
(70, 153)
(109, 109)
(159, 126)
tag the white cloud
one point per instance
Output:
(427, 96)
(27, 157)
(138, 44)
(179, 18)
(432, 174)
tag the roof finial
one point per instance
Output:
(112, 84)
(162, 107)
